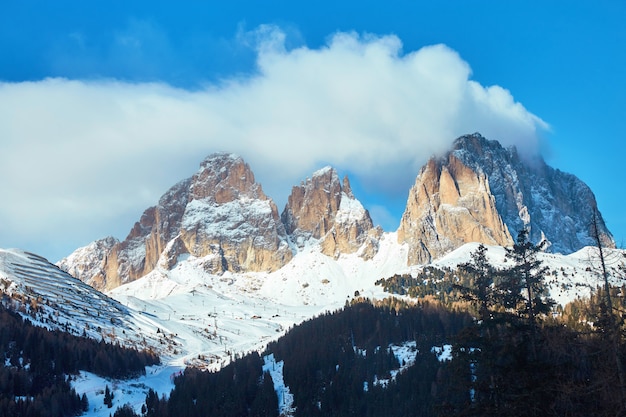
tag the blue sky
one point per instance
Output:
(104, 105)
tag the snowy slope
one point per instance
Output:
(193, 317)
(56, 300)
(215, 316)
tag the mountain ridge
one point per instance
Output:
(477, 192)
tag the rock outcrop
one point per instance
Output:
(448, 206)
(89, 263)
(325, 210)
(229, 216)
(482, 192)
(220, 213)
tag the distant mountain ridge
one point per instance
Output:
(477, 192)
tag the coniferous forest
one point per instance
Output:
(38, 363)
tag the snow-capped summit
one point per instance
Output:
(220, 213)
(477, 192)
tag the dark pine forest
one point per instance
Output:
(39, 364)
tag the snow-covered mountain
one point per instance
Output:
(213, 270)
(216, 265)
(220, 214)
(193, 317)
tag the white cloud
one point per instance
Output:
(82, 159)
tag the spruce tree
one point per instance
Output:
(481, 291)
(524, 282)
(476, 388)
(108, 397)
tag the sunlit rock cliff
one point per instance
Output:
(482, 192)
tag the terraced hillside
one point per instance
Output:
(50, 297)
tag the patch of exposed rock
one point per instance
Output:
(89, 263)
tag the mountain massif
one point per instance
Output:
(341, 317)
(479, 191)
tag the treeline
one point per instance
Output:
(333, 364)
(33, 378)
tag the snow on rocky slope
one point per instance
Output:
(570, 276)
(193, 317)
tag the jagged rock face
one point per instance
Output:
(554, 205)
(324, 209)
(477, 192)
(468, 195)
(448, 206)
(220, 213)
(228, 208)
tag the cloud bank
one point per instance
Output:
(80, 160)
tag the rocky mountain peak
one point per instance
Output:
(220, 214)
(230, 218)
(474, 143)
(479, 191)
(449, 205)
(311, 206)
(482, 192)
(552, 204)
(324, 209)
(223, 178)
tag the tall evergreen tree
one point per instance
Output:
(476, 385)
(524, 282)
(481, 291)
